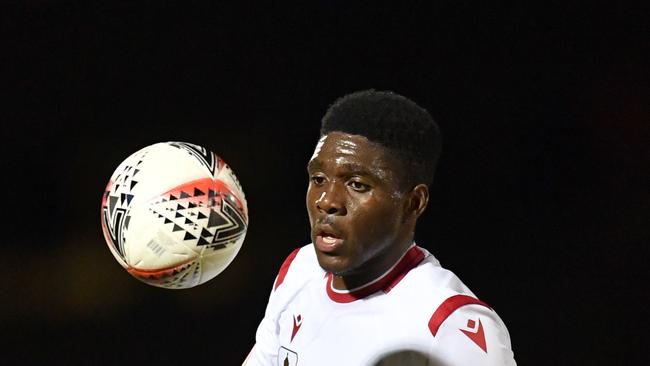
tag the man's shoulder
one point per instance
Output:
(454, 317)
(299, 266)
(430, 293)
(431, 282)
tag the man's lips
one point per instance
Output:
(327, 244)
(327, 240)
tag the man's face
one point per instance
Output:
(355, 205)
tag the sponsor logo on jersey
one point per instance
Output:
(476, 333)
(297, 322)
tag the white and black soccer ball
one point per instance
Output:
(174, 215)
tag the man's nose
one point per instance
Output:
(332, 200)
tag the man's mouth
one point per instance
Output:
(327, 241)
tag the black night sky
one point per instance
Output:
(540, 204)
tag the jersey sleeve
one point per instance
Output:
(265, 351)
(473, 334)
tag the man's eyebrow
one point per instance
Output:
(356, 169)
(314, 164)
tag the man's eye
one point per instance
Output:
(358, 186)
(317, 180)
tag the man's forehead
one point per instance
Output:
(341, 143)
(353, 153)
(319, 145)
(351, 166)
(314, 163)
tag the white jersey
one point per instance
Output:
(416, 305)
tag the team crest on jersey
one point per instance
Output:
(287, 357)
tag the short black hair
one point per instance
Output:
(393, 121)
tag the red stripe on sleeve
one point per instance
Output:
(285, 268)
(448, 307)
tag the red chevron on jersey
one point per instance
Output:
(448, 307)
(476, 335)
(297, 322)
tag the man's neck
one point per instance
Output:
(372, 271)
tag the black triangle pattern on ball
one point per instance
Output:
(205, 233)
(228, 234)
(204, 156)
(112, 200)
(224, 223)
(215, 219)
(118, 201)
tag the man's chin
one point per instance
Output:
(332, 264)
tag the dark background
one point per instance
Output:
(540, 203)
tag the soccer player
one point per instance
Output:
(363, 293)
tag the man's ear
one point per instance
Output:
(418, 200)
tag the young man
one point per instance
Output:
(363, 293)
